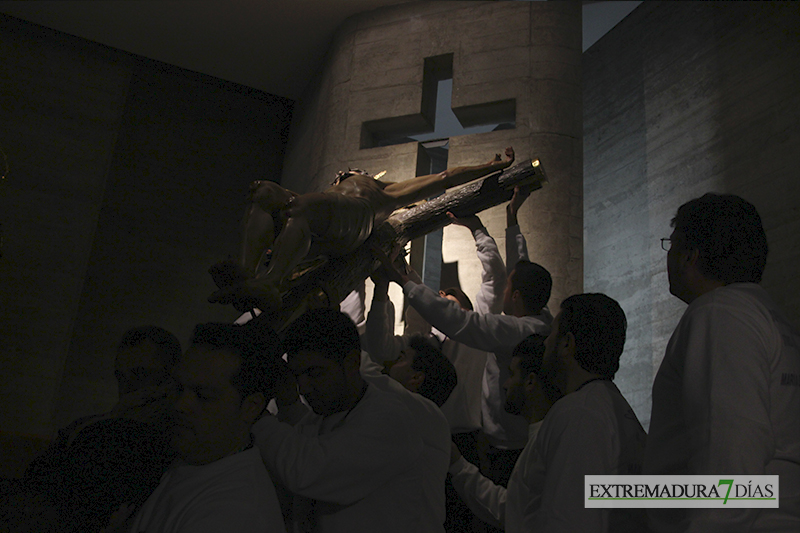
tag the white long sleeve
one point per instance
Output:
(485, 499)
(353, 306)
(516, 247)
(379, 339)
(487, 332)
(497, 334)
(514, 509)
(493, 274)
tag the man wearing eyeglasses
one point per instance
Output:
(726, 399)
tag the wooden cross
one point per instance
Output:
(334, 280)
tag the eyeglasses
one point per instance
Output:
(666, 244)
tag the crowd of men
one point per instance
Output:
(482, 417)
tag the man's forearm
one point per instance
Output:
(482, 496)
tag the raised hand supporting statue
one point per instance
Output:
(288, 227)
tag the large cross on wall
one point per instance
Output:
(432, 128)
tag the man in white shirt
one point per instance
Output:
(463, 407)
(364, 460)
(590, 431)
(525, 312)
(726, 399)
(219, 482)
(525, 396)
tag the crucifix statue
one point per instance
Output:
(324, 224)
(336, 231)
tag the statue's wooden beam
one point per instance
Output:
(330, 283)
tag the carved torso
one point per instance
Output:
(369, 189)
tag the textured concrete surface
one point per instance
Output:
(523, 52)
(126, 182)
(680, 99)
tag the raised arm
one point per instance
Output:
(493, 276)
(516, 247)
(482, 496)
(379, 339)
(488, 332)
(353, 306)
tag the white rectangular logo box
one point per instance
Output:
(726, 491)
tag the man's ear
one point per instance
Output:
(693, 259)
(516, 297)
(566, 344)
(688, 258)
(531, 382)
(253, 406)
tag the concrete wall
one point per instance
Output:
(683, 98)
(126, 181)
(528, 52)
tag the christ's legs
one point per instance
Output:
(334, 223)
(304, 214)
(266, 201)
(307, 215)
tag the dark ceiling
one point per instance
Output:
(271, 45)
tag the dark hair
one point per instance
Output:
(459, 295)
(728, 233)
(530, 352)
(169, 349)
(258, 348)
(598, 324)
(534, 284)
(327, 332)
(440, 374)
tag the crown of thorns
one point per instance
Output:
(344, 174)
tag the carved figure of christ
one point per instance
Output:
(323, 224)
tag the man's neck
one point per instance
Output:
(579, 378)
(703, 287)
(520, 311)
(237, 446)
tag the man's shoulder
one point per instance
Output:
(729, 307)
(234, 488)
(241, 475)
(599, 400)
(539, 323)
(736, 298)
(380, 403)
(242, 465)
(597, 417)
